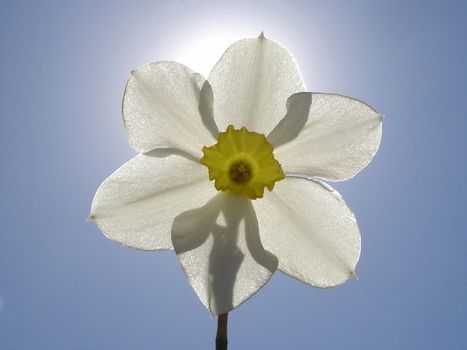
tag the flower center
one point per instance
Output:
(240, 172)
(242, 163)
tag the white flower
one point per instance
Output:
(230, 241)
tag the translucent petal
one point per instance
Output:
(340, 138)
(298, 108)
(251, 83)
(220, 251)
(311, 230)
(163, 108)
(136, 205)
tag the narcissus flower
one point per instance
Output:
(229, 173)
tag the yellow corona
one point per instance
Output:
(242, 162)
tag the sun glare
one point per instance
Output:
(203, 49)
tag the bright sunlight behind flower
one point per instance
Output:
(230, 169)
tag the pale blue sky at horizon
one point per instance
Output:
(63, 285)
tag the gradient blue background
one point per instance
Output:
(64, 65)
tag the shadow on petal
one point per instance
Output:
(225, 258)
(206, 101)
(191, 228)
(253, 240)
(166, 152)
(219, 248)
(298, 108)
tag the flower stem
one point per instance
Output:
(221, 337)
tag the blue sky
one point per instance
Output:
(63, 285)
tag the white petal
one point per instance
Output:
(136, 205)
(163, 108)
(220, 251)
(251, 83)
(298, 108)
(311, 230)
(340, 138)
